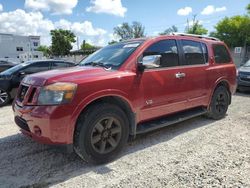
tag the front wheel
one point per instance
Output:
(4, 97)
(101, 133)
(219, 103)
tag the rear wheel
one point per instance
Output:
(101, 133)
(4, 97)
(219, 103)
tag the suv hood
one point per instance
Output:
(75, 74)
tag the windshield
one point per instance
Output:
(15, 68)
(247, 64)
(112, 56)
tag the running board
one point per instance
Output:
(169, 120)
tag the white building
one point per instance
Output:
(12, 46)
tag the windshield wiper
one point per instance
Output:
(93, 63)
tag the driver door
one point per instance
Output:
(162, 88)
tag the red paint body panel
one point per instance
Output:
(150, 94)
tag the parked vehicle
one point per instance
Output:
(243, 77)
(4, 65)
(11, 78)
(126, 89)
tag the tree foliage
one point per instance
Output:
(195, 27)
(112, 42)
(234, 31)
(45, 49)
(61, 41)
(86, 46)
(248, 8)
(169, 30)
(126, 31)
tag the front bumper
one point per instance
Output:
(243, 83)
(54, 123)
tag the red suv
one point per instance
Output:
(126, 89)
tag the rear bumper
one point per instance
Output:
(53, 123)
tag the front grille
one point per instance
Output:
(245, 79)
(22, 123)
(31, 96)
(22, 92)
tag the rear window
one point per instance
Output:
(221, 54)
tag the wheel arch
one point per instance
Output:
(119, 101)
(225, 84)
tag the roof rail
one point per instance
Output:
(197, 36)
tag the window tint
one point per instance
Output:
(168, 51)
(57, 65)
(205, 52)
(193, 52)
(221, 54)
(36, 67)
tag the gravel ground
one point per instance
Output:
(195, 153)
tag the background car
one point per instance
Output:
(244, 76)
(4, 65)
(11, 78)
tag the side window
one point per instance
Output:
(58, 65)
(221, 54)
(36, 67)
(168, 51)
(193, 52)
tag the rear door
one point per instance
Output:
(194, 64)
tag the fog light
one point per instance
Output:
(37, 131)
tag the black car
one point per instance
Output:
(244, 76)
(4, 65)
(11, 78)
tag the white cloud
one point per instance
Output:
(184, 11)
(210, 9)
(33, 23)
(22, 23)
(84, 30)
(107, 6)
(54, 6)
(1, 7)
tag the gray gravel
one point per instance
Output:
(196, 153)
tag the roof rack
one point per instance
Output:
(197, 36)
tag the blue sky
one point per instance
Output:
(94, 20)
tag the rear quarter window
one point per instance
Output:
(221, 54)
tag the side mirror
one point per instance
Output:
(150, 61)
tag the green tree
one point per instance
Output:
(248, 8)
(169, 30)
(45, 49)
(126, 31)
(86, 46)
(112, 42)
(234, 31)
(61, 41)
(195, 27)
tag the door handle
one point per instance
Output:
(180, 75)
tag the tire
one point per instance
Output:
(219, 103)
(4, 97)
(101, 133)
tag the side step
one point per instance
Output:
(169, 120)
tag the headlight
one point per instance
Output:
(57, 93)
